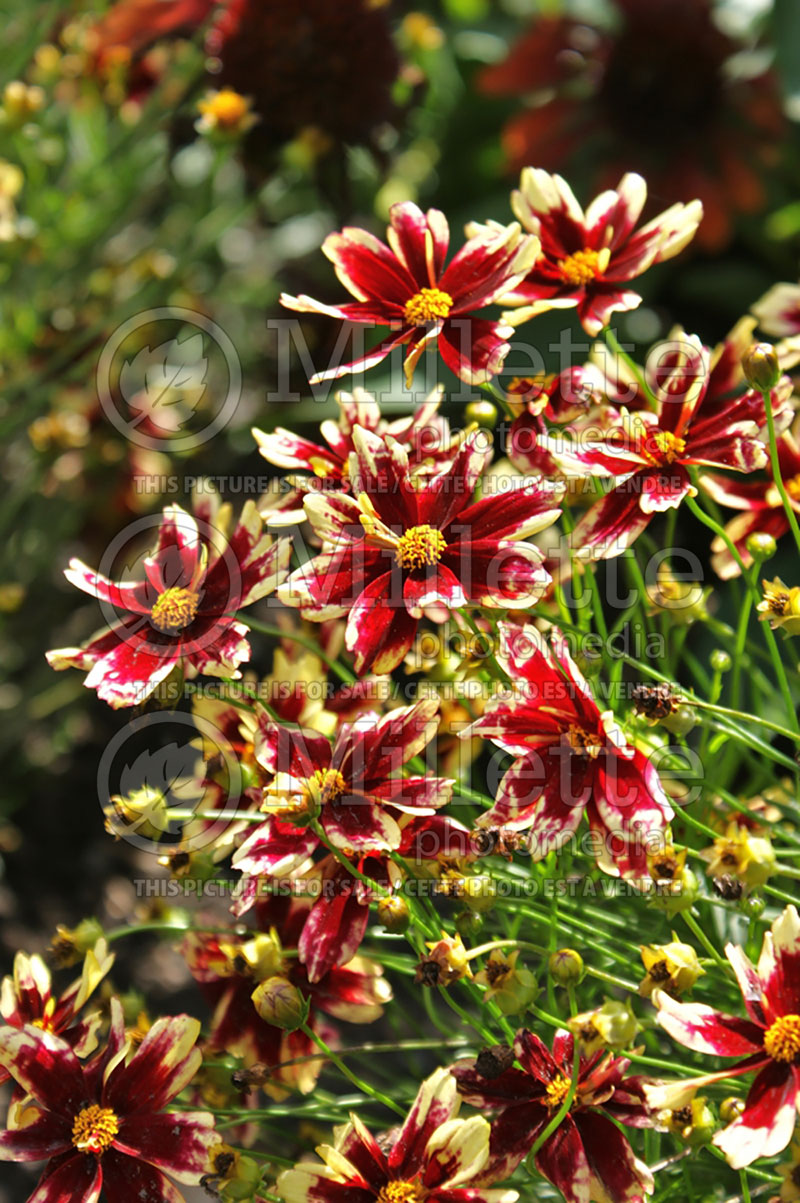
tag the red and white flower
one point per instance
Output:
(588, 259)
(778, 311)
(352, 786)
(648, 454)
(101, 1125)
(570, 758)
(767, 1041)
(434, 1156)
(407, 287)
(229, 970)
(587, 1156)
(336, 923)
(27, 997)
(399, 546)
(425, 435)
(181, 616)
(759, 502)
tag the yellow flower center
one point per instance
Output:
(94, 1129)
(401, 1192)
(420, 546)
(46, 1021)
(585, 743)
(792, 487)
(582, 267)
(557, 1091)
(782, 1039)
(428, 305)
(665, 446)
(226, 108)
(174, 610)
(329, 783)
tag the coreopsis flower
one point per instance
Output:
(767, 1041)
(739, 853)
(398, 547)
(181, 615)
(653, 89)
(758, 502)
(407, 287)
(588, 260)
(672, 967)
(425, 435)
(352, 786)
(26, 996)
(587, 1156)
(230, 970)
(570, 758)
(435, 1156)
(649, 453)
(102, 1125)
(780, 606)
(572, 396)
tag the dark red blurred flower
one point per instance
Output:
(658, 96)
(327, 65)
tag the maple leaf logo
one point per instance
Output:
(164, 385)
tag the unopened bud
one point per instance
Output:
(280, 1003)
(681, 721)
(730, 1109)
(761, 546)
(482, 412)
(479, 893)
(761, 367)
(720, 660)
(566, 966)
(469, 924)
(394, 914)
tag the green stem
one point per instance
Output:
(776, 468)
(264, 628)
(364, 1087)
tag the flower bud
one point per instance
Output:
(681, 721)
(761, 546)
(720, 660)
(761, 367)
(394, 914)
(469, 924)
(566, 966)
(280, 1003)
(730, 1109)
(482, 412)
(479, 893)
